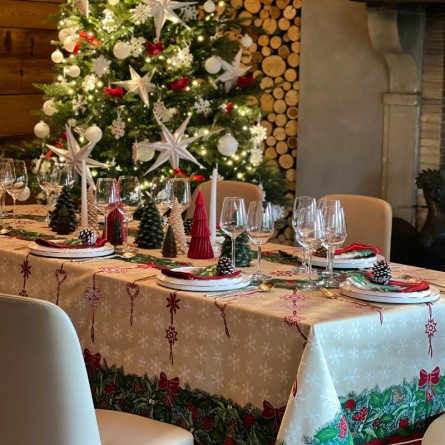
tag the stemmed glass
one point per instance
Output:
(130, 193)
(334, 235)
(102, 197)
(15, 181)
(3, 164)
(259, 228)
(309, 233)
(233, 219)
(179, 188)
(48, 177)
(3, 211)
(159, 192)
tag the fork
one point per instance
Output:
(90, 260)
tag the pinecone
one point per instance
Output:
(188, 223)
(224, 266)
(321, 251)
(88, 236)
(380, 273)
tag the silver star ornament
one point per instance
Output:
(232, 71)
(138, 85)
(83, 7)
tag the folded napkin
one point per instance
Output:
(402, 286)
(191, 276)
(356, 251)
(62, 245)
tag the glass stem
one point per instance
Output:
(126, 233)
(47, 206)
(13, 212)
(330, 262)
(304, 256)
(309, 265)
(3, 208)
(259, 259)
(233, 252)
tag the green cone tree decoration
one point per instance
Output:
(150, 233)
(169, 246)
(243, 254)
(65, 200)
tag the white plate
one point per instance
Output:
(432, 294)
(218, 282)
(356, 263)
(85, 252)
(210, 287)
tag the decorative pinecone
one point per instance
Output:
(380, 273)
(88, 236)
(321, 251)
(224, 266)
(188, 223)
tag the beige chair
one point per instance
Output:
(246, 190)
(435, 433)
(44, 390)
(368, 221)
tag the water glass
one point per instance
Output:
(103, 197)
(15, 181)
(48, 177)
(179, 188)
(159, 193)
(130, 193)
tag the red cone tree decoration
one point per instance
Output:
(200, 245)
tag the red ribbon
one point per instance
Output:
(429, 380)
(114, 92)
(244, 82)
(154, 48)
(90, 359)
(179, 85)
(170, 387)
(180, 173)
(269, 412)
(85, 36)
(229, 108)
(198, 178)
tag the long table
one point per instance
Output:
(286, 366)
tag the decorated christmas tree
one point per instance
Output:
(150, 233)
(163, 80)
(200, 245)
(175, 220)
(243, 254)
(65, 202)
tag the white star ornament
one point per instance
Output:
(172, 146)
(83, 7)
(232, 71)
(138, 85)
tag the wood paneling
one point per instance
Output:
(26, 43)
(15, 113)
(27, 14)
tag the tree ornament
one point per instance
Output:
(93, 134)
(138, 85)
(66, 32)
(224, 266)
(213, 64)
(150, 232)
(246, 41)
(121, 50)
(73, 71)
(227, 145)
(200, 245)
(142, 153)
(243, 254)
(380, 273)
(88, 237)
(57, 56)
(169, 245)
(209, 6)
(232, 71)
(49, 107)
(175, 221)
(70, 43)
(26, 193)
(118, 126)
(41, 130)
(113, 2)
(83, 7)
(93, 221)
(68, 221)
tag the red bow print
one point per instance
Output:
(85, 36)
(90, 359)
(179, 85)
(114, 92)
(243, 82)
(170, 387)
(429, 380)
(269, 412)
(154, 48)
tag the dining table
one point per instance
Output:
(283, 366)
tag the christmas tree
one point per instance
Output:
(169, 245)
(243, 254)
(65, 202)
(155, 75)
(150, 233)
(200, 245)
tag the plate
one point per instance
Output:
(356, 263)
(201, 282)
(210, 286)
(432, 294)
(84, 252)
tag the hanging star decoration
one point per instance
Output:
(83, 7)
(232, 71)
(75, 154)
(163, 10)
(138, 85)
(172, 146)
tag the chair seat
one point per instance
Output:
(435, 434)
(117, 428)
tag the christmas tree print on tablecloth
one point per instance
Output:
(175, 220)
(150, 233)
(200, 245)
(66, 202)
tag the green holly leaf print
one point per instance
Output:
(375, 400)
(326, 434)
(419, 408)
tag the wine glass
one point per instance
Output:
(309, 233)
(233, 219)
(179, 188)
(130, 193)
(3, 164)
(103, 197)
(48, 177)
(259, 228)
(3, 211)
(15, 181)
(334, 235)
(300, 202)
(159, 193)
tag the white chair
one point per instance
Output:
(435, 433)
(368, 221)
(44, 390)
(246, 190)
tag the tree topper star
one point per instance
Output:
(173, 146)
(75, 154)
(138, 85)
(232, 71)
(163, 10)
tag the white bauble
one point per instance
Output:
(227, 145)
(209, 6)
(73, 71)
(69, 43)
(24, 195)
(113, 2)
(93, 134)
(121, 50)
(141, 152)
(57, 56)
(49, 107)
(213, 64)
(246, 41)
(41, 130)
(65, 32)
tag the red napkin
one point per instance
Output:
(190, 276)
(46, 243)
(406, 286)
(355, 247)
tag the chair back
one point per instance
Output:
(250, 192)
(44, 390)
(368, 221)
